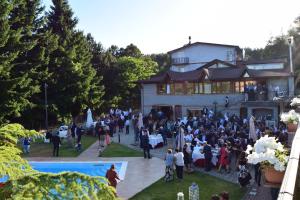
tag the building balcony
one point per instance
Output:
(180, 61)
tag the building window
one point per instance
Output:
(164, 89)
(161, 88)
(178, 89)
(190, 88)
(207, 88)
(216, 87)
(242, 85)
(201, 85)
(237, 87)
(226, 87)
(196, 88)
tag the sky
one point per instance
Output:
(159, 26)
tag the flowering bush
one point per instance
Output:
(268, 152)
(290, 117)
(295, 101)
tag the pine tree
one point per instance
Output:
(16, 84)
(34, 62)
(73, 85)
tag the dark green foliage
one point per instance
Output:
(130, 51)
(276, 48)
(163, 60)
(18, 21)
(73, 85)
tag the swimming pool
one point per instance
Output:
(95, 168)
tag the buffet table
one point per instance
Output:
(199, 159)
(156, 141)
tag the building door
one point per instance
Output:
(178, 111)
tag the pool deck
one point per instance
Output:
(140, 172)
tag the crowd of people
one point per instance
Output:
(229, 134)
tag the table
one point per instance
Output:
(199, 159)
(156, 140)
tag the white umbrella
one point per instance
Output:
(180, 139)
(252, 133)
(140, 121)
(89, 119)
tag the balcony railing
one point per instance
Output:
(290, 184)
(264, 95)
(180, 60)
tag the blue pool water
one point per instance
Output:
(89, 168)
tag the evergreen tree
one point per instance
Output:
(73, 84)
(34, 62)
(17, 21)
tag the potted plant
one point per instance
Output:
(291, 119)
(271, 155)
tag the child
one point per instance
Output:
(244, 176)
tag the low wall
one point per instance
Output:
(289, 186)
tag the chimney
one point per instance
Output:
(190, 38)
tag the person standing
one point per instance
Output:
(187, 158)
(169, 161)
(26, 145)
(179, 163)
(207, 156)
(112, 176)
(78, 134)
(257, 173)
(145, 144)
(224, 158)
(127, 123)
(56, 142)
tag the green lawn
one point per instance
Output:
(118, 150)
(40, 149)
(208, 186)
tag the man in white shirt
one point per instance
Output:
(179, 162)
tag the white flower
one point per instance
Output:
(266, 149)
(291, 116)
(295, 101)
(249, 148)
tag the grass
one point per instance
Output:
(41, 149)
(118, 150)
(208, 185)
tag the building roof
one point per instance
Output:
(279, 60)
(205, 43)
(232, 72)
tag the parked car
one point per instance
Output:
(63, 131)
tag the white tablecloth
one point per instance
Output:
(155, 140)
(198, 155)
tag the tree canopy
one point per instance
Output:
(26, 183)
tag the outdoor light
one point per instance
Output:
(194, 192)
